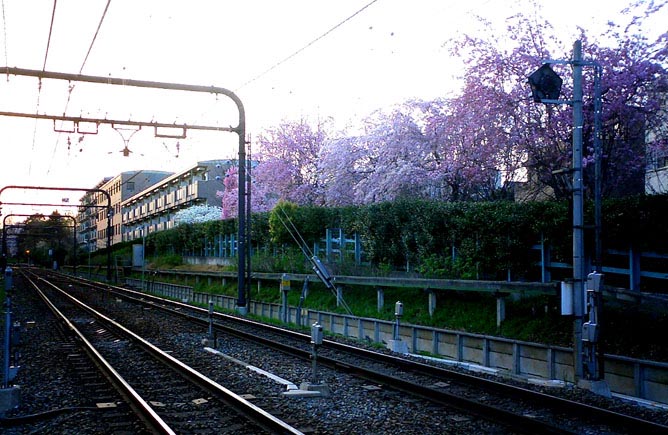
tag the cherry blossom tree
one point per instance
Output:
(479, 144)
(468, 155)
(508, 122)
(339, 173)
(198, 214)
(420, 149)
(635, 91)
(385, 161)
(287, 158)
(284, 167)
(488, 138)
(229, 195)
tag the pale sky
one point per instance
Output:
(279, 57)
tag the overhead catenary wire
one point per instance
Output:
(83, 64)
(97, 31)
(48, 41)
(284, 60)
(4, 30)
(39, 85)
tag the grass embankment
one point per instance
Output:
(625, 326)
(627, 329)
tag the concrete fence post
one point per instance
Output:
(500, 310)
(380, 295)
(432, 302)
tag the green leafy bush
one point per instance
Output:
(477, 240)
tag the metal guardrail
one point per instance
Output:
(627, 376)
(517, 287)
(498, 288)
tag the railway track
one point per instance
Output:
(434, 390)
(88, 398)
(153, 324)
(167, 395)
(523, 409)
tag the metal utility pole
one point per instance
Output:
(598, 109)
(578, 213)
(143, 256)
(545, 86)
(240, 130)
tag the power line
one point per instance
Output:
(39, 86)
(281, 62)
(4, 29)
(104, 14)
(48, 42)
(71, 88)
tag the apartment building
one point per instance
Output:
(154, 208)
(656, 172)
(87, 219)
(94, 215)
(656, 175)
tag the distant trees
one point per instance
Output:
(478, 144)
(44, 239)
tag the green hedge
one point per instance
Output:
(468, 240)
(457, 240)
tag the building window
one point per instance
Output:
(130, 186)
(662, 161)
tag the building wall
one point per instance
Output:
(656, 180)
(146, 199)
(87, 219)
(656, 174)
(154, 209)
(120, 188)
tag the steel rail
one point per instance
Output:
(557, 403)
(244, 208)
(518, 422)
(241, 405)
(141, 407)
